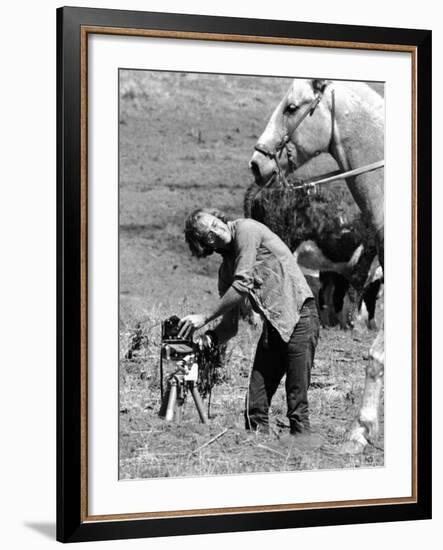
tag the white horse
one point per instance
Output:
(345, 119)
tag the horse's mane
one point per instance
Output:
(366, 104)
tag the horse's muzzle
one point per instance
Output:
(262, 168)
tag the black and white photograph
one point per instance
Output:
(251, 282)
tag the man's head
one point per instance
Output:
(207, 231)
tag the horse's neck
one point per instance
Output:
(357, 136)
(358, 140)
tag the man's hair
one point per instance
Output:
(193, 231)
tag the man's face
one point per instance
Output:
(217, 234)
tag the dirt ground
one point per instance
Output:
(185, 142)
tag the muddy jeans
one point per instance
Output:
(273, 359)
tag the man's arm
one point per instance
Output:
(247, 241)
(228, 326)
(230, 299)
(246, 244)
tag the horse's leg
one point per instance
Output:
(365, 316)
(326, 300)
(364, 429)
(340, 290)
(370, 299)
(322, 304)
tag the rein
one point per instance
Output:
(328, 177)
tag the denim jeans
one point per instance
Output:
(273, 359)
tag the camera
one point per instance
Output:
(170, 328)
(179, 356)
(179, 371)
(173, 348)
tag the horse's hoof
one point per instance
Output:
(367, 427)
(355, 440)
(372, 325)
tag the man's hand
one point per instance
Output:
(204, 341)
(189, 324)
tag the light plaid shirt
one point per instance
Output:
(260, 265)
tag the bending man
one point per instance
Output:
(256, 264)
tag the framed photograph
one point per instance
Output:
(244, 212)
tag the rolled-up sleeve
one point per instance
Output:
(246, 242)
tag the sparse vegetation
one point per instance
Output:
(151, 447)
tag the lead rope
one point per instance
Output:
(281, 174)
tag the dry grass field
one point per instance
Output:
(185, 142)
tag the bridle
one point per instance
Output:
(275, 154)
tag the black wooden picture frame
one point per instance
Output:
(73, 25)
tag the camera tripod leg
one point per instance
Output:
(164, 404)
(179, 410)
(171, 401)
(198, 404)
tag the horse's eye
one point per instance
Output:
(291, 108)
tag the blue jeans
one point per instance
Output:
(273, 359)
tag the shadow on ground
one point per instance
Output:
(44, 528)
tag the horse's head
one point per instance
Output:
(300, 126)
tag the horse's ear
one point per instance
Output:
(319, 85)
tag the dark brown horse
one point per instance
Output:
(346, 120)
(326, 230)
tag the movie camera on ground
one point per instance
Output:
(180, 366)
